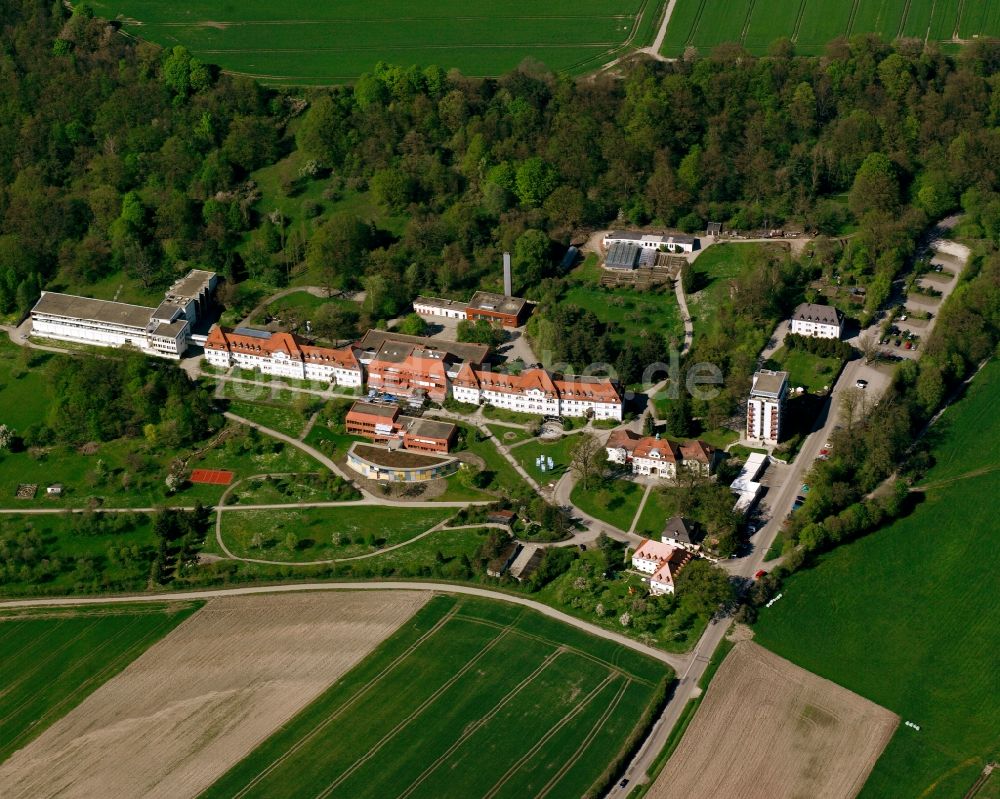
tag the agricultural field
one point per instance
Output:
(308, 42)
(766, 722)
(227, 678)
(810, 24)
(51, 660)
(509, 703)
(307, 534)
(915, 646)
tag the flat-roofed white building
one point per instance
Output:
(102, 323)
(434, 306)
(817, 321)
(164, 330)
(675, 242)
(765, 405)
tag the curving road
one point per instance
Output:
(676, 662)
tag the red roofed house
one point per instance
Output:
(282, 354)
(659, 457)
(539, 392)
(661, 562)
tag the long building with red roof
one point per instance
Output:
(539, 392)
(659, 457)
(282, 354)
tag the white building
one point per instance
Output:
(818, 321)
(766, 406)
(659, 457)
(163, 330)
(433, 306)
(282, 354)
(747, 486)
(536, 391)
(661, 562)
(677, 242)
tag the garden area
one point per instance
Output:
(814, 373)
(614, 501)
(559, 450)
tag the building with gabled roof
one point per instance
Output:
(681, 533)
(671, 242)
(661, 562)
(282, 354)
(540, 392)
(818, 321)
(659, 457)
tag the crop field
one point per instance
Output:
(198, 701)
(51, 660)
(769, 724)
(908, 617)
(470, 698)
(810, 24)
(310, 42)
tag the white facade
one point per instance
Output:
(600, 410)
(432, 306)
(765, 406)
(53, 317)
(817, 321)
(651, 241)
(530, 401)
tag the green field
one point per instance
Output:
(309, 42)
(470, 698)
(325, 533)
(52, 660)
(908, 617)
(810, 24)
(559, 450)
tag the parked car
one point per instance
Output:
(799, 502)
(805, 488)
(861, 384)
(759, 573)
(908, 345)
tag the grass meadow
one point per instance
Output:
(615, 501)
(908, 617)
(811, 372)
(560, 451)
(507, 704)
(309, 42)
(52, 660)
(810, 24)
(325, 533)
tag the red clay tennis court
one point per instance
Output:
(219, 477)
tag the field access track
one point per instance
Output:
(471, 698)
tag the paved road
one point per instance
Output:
(685, 316)
(677, 662)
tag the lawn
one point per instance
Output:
(560, 450)
(308, 42)
(907, 617)
(52, 660)
(505, 477)
(508, 435)
(325, 533)
(812, 372)
(810, 24)
(614, 501)
(654, 515)
(509, 703)
(22, 384)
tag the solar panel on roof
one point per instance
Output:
(246, 331)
